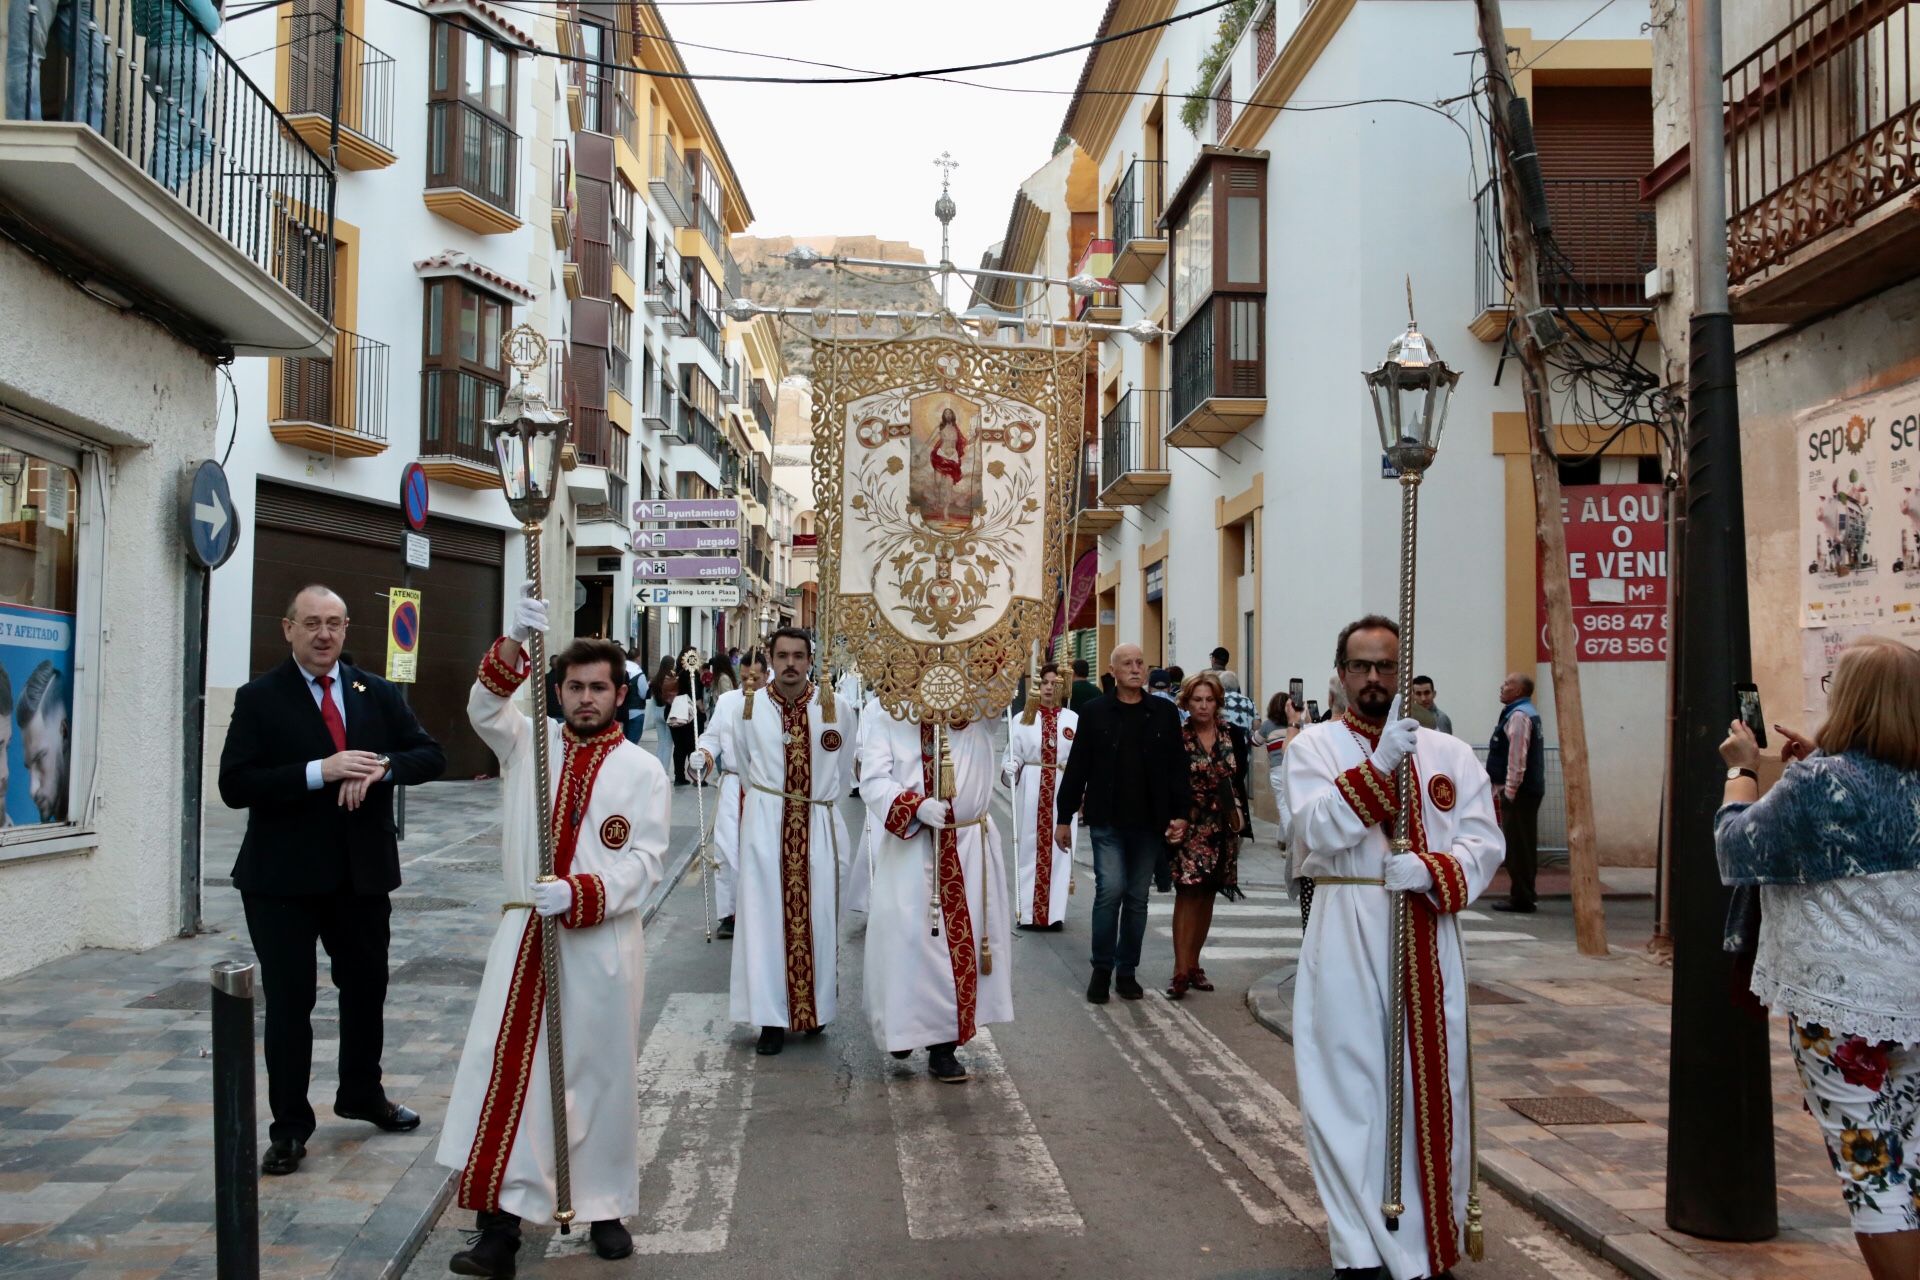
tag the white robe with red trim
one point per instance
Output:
(926, 985)
(1339, 814)
(786, 904)
(1035, 773)
(723, 800)
(856, 861)
(505, 1155)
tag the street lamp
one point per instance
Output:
(528, 436)
(1410, 391)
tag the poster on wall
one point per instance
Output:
(1617, 568)
(36, 682)
(1860, 510)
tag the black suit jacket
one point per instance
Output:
(1091, 774)
(301, 841)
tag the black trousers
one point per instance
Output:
(354, 930)
(1520, 823)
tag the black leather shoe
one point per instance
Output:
(814, 1031)
(1515, 908)
(943, 1066)
(1097, 988)
(390, 1116)
(772, 1041)
(1057, 926)
(726, 928)
(490, 1248)
(1359, 1273)
(1128, 987)
(900, 1055)
(283, 1157)
(610, 1239)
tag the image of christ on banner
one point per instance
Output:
(945, 485)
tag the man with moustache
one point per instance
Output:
(1342, 803)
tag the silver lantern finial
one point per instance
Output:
(528, 433)
(1410, 391)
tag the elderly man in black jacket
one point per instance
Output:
(1130, 767)
(313, 754)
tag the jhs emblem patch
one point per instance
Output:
(830, 739)
(1441, 791)
(614, 832)
(1067, 734)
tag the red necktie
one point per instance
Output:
(331, 714)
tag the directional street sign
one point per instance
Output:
(698, 568)
(213, 526)
(667, 509)
(413, 496)
(693, 595)
(646, 541)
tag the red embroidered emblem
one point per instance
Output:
(1441, 791)
(614, 832)
(830, 740)
(1067, 734)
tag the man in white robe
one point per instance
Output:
(1038, 743)
(1341, 800)
(609, 814)
(938, 960)
(716, 739)
(856, 865)
(791, 754)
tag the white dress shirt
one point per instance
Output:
(339, 696)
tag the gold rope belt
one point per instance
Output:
(1320, 880)
(514, 906)
(980, 821)
(787, 795)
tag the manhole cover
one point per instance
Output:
(1479, 994)
(439, 971)
(1578, 1108)
(180, 995)
(421, 903)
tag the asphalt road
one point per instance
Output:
(1150, 1138)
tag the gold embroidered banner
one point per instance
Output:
(944, 473)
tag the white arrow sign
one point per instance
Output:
(212, 514)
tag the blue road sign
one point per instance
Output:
(213, 526)
(413, 496)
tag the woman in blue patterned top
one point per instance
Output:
(1835, 849)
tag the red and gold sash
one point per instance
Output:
(796, 871)
(1043, 814)
(950, 884)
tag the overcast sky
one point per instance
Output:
(858, 159)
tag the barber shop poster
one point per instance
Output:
(36, 692)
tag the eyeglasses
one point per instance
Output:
(332, 626)
(1361, 667)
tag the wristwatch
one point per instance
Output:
(1742, 773)
(386, 765)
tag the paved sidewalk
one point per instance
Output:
(1592, 1034)
(105, 1084)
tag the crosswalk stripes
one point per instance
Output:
(1236, 935)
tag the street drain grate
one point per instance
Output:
(421, 903)
(439, 971)
(180, 995)
(1575, 1108)
(463, 868)
(1480, 994)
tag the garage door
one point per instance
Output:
(354, 547)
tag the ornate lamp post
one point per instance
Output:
(1410, 391)
(527, 436)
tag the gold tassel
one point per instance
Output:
(986, 957)
(1476, 1229)
(826, 702)
(747, 712)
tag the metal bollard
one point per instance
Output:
(236, 1154)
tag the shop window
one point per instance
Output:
(39, 502)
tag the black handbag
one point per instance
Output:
(1742, 934)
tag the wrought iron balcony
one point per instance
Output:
(365, 92)
(626, 123)
(710, 228)
(1139, 244)
(1089, 513)
(1133, 464)
(335, 406)
(1604, 234)
(454, 407)
(697, 430)
(668, 182)
(759, 402)
(660, 295)
(707, 329)
(1219, 371)
(472, 167)
(657, 405)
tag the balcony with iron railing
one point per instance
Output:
(623, 249)
(707, 329)
(1602, 248)
(668, 181)
(1139, 244)
(758, 401)
(698, 430)
(657, 405)
(562, 202)
(709, 224)
(731, 279)
(365, 92)
(1823, 161)
(1219, 371)
(1133, 465)
(336, 406)
(626, 123)
(472, 168)
(1090, 515)
(1103, 307)
(454, 407)
(109, 139)
(659, 293)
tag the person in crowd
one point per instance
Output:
(1835, 850)
(313, 753)
(1343, 802)
(1160, 684)
(1107, 685)
(715, 739)
(1084, 690)
(1039, 743)
(1282, 725)
(1206, 859)
(721, 679)
(609, 817)
(683, 713)
(1220, 656)
(660, 695)
(1237, 709)
(1129, 767)
(178, 61)
(1517, 768)
(633, 711)
(1423, 696)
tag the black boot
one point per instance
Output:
(610, 1239)
(1128, 986)
(901, 1055)
(943, 1066)
(1097, 988)
(772, 1041)
(725, 930)
(491, 1247)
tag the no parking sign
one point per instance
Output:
(403, 635)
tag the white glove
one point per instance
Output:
(932, 812)
(552, 897)
(1396, 740)
(699, 765)
(529, 616)
(1405, 873)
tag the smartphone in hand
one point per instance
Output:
(1746, 698)
(1313, 711)
(1296, 689)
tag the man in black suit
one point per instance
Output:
(314, 752)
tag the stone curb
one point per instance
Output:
(1592, 1223)
(394, 1235)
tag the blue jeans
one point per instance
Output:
(662, 738)
(1123, 861)
(177, 78)
(67, 26)
(632, 727)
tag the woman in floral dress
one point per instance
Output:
(1206, 861)
(1835, 850)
